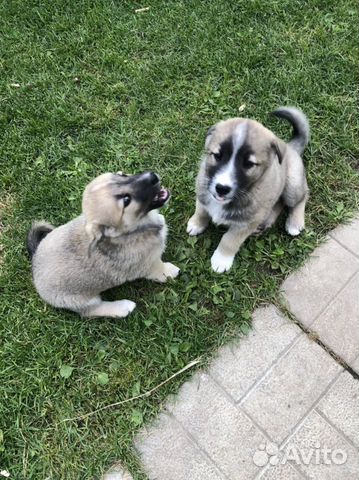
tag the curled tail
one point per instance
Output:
(37, 232)
(300, 124)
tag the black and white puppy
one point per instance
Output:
(246, 176)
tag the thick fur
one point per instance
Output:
(246, 176)
(109, 244)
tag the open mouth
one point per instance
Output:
(160, 198)
(220, 198)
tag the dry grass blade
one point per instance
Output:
(137, 397)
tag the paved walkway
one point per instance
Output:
(283, 402)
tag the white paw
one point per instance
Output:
(293, 230)
(193, 228)
(221, 263)
(124, 307)
(170, 270)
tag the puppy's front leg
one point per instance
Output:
(199, 220)
(223, 256)
(161, 271)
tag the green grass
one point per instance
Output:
(103, 89)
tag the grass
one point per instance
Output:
(88, 87)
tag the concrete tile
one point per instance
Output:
(167, 453)
(341, 406)
(309, 290)
(284, 396)
(355, 365)
(220, 428)
(338, 325)
(117, 472)
(239, 365)
(313, 437)
(114, 476)
(348, 235)
(280, 472)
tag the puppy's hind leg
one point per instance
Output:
(295, 194)
(199, 220)
(296, 222)
(100, 308)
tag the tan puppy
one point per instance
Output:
(119, 237)
(246, 177)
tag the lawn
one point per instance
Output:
(91, 86)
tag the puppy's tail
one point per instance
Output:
(300, 124)
(37, 232)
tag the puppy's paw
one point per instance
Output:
(221, 263)
(163, 272)
(123, 307)
(194, 228)
(170, 270)
(293, 229)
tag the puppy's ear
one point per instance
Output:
(209, 136)
(277, 150)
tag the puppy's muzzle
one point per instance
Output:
(160, 194)
(150, 180)
(154, 178)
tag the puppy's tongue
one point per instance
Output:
(162, 195)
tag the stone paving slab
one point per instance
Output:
(348, 236)
(309, 290)
(206, 434)
(271, 335)
(355, 366)
(117, 472)
(341, 406)
(227, 435)
(338, 326)
(285, 472)
(290, 389)
(168, 453)
(331, 456)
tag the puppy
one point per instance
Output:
(246, 177)
(119, 237)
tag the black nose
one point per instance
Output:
(222, 189)
(154, 178)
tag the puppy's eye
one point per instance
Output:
(126, 199)
(248, 162)
(217, 156)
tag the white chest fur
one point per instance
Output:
(159, 219)
(215, 210)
